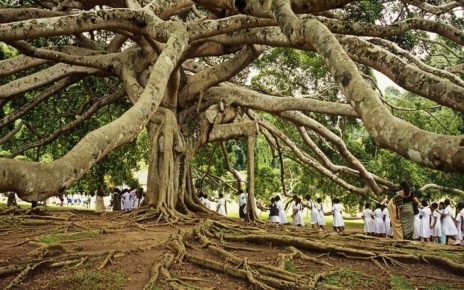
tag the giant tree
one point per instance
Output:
(182, 67)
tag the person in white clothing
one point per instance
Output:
(425, 216)
(435, 223)
(321, 216)
(448, 227)
(379, 225)
(274, 212)
(386, 221)
(459, 223)
(206, 201)
(368, 218)
(221, 206)
(280, 207)
(313, 210)
(338, 223)
(298, 213)
(242, 202)
(126, 200)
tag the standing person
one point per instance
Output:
(126, 200)
(242, 202)
(379, 225)
(368, 218)
(338, 223)
(417, 223)
(116, 200)
(386, 221)
(221, 206)
(441, 211)
(69, 200)
(139, 196)
(298, 213)
(403, 214)
(425, 217)
(313, 210)
(11, 200)
(435, 223)
(99, 206)
(459, 223)
(206, 201)
(449, 228)
(280, 207)
(274, 212)
(321, 216)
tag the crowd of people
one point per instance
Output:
(429, 222)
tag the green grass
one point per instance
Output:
(400, 283)
(59, 237)
(347, 278)
(289, 266)
(438, 286)
(94, 280)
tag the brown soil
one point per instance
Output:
(145, 244)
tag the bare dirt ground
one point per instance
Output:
(84, 250)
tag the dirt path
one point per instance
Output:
(88, 240)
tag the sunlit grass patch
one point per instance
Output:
(59, 237)
(94, 280)
(348, 279)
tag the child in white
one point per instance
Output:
(338, 223)
(379, 226)
(425, 214)
(221, 205)
(417, 222)
(459, 222)
(321, 216)
(298, 213)
(448, 227)
(368, 217)
(313, 210)
(386, 221)
(435, 223)
(280, 206)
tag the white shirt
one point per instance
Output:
(243, 199)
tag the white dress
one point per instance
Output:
(379, 226)
(436, 231)
(424, 231)
(337, 215)
(459, 221)
(314, 212)
(388, 229)
(448, 227)
(282, 216)
(126, 201)
(417, 223)
(321, 216)
(368, 215)
(298, 216)
(275, 218)
(221, 206)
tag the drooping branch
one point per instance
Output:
(10, 134)
(19, 63)
(413, 79)
(305, 158)
(228, 166)
(40, 181)
(303, 120)
(69, 126)
(429, 149)
(246, 97)
(42, 96)
(434, 9)
(42, 78)
(441, 188)
(212, 76)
